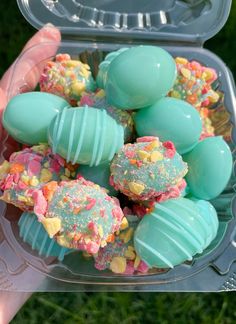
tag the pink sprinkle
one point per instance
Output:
(16, 177)
(146, 139)
(59, 159)
(86, 100)
(127, 211)
(55, 166)
(102, 212)
(130, 154)
(170, 149)
(92, 227)
(92, 247)
(129, 270)
(142, 267)
(40, 203)
(22, 185)
(117, 213)
(205, 103)
(139, 163)
(92, 202)
(34, 168)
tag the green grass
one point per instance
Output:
(120, 308)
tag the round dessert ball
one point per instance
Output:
(172, 120)
(82, 216)
(139, 76)
(147, 169)
(210, 166)
(123, 117)
(175, 231)
(28, 173)
(67, 78)
(194, 83)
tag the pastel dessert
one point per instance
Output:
(210, 166)
(31, 172)
(148, 170)
(124, 118)
(82, 216)
(66, 78)
(175, 231)
(85, 135)
(32, 232)
(119, 255)
(99, 175)
(194, 83)
(208, 128)
(28, 115)
(172, 120)
(139, 76)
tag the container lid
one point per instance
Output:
(186, 21)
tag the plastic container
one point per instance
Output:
(90, 30)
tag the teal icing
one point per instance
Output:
(210, 167)
(85, 135)
(33, 233)
(175, 231)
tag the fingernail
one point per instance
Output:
(49, 25)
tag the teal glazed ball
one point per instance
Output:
(139, 76)
(85, 135)
(172, 120)
(210, 167)
(28, 115)
(33, 233)
(174, 232)
(98, 174)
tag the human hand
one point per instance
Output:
(29, 66)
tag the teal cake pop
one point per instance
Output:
(172, 120)
(175, 231)
(139, 76)
(210, 167)
(85, 135)
(98, 174)
(33, 233)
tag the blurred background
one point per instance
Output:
(122, 308)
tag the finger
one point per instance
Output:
(24, 74)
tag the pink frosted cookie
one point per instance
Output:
(148, 170)
(66, 78)
(119, 255)
(82, 216)
(23, 178)
(193, 83)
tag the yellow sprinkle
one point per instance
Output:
(61, 240)
(175, 94)
(67, 172)
(77, 87)
(46, 165)
(4, 168)
(73, 63)
(214, 97)
(137, 261)
(127, 235)
(130, 254)
(26, 179)
(152, 145)
(100, 93)
(52, 225)
(186, 73)
(84, 72)
(64, 178)
(156, 156)
(181, 60)
(124, 224)
(34, 181)
(143, 155)
(118, 265)
(100, 231)
(103, 243)
(45, 176)
(27, 200)
(136, 188)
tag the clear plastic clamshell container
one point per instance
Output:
(91, 29)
